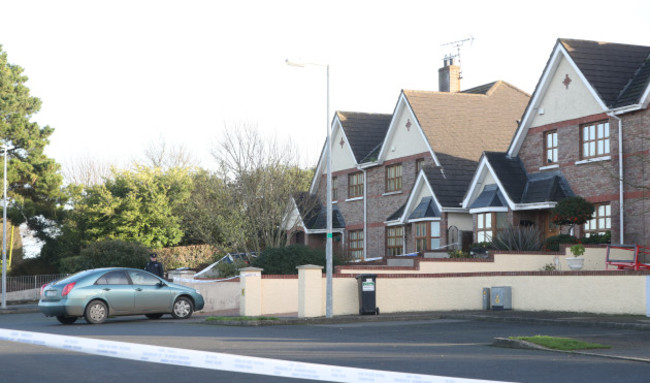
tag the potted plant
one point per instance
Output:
(575, 262)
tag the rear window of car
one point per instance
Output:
(72, 277)
(113, 278)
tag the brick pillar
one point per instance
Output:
(310, 291)
(250, 280)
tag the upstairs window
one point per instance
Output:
(394, 178)
(355, 185)
(335, 192)
(550, 147)
(595, 140)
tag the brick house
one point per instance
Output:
(584, 132)
(398, 179)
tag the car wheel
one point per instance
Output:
(153, 316)
(96, 312)
(66, 320)
(183, 308)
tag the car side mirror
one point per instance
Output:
(161, 284)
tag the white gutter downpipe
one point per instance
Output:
(620, 178)
(365, 214)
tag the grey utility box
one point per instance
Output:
(501, 298)
(486, 298)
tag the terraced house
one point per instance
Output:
(399, 179)
(586, 132)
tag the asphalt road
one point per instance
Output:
(454, 348)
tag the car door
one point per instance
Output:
(117, 290)
(151, 296)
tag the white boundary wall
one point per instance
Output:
(439, 286)
(606, 292)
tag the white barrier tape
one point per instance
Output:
(203, 281)
(220, 361)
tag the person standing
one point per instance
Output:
(155, 267)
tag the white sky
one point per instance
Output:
(116, 75)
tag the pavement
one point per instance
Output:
(633, 345)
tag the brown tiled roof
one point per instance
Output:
(464, 125)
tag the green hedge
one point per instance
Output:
(107, 253)
(284, 260)
(553, 243)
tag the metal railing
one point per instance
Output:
(28, 282)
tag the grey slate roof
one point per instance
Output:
(314, 213)
(397, 214)
(450, 182)
(425, 209)
(490, 197)
(522, 187)
(365, 133)
(618, 72)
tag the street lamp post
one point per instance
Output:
(4, 233)
(328, 150)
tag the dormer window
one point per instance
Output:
(550, 147)
(595, 140)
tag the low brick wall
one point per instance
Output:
(595, 258)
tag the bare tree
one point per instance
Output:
(159, 154)
(87, 171)
(265, 175)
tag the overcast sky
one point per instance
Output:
(116, 75)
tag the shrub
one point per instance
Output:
(577, 250)
(518, 238)
(549, 267)
(284, 260)
(33, 266)
(193, 256)
(225, 269)
(107, 253)
(598, 238)
(572, 211)
(458, 254)
(553, 243)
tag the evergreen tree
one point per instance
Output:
(33, 179)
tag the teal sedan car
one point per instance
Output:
(116, 291)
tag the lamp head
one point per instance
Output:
(294, 63)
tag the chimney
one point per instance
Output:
(449, 76)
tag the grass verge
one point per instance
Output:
(564, 344)
(240, 318)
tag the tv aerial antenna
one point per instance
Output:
(451, 57)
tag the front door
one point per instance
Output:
(550, 229)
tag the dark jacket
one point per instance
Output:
(155, 267)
